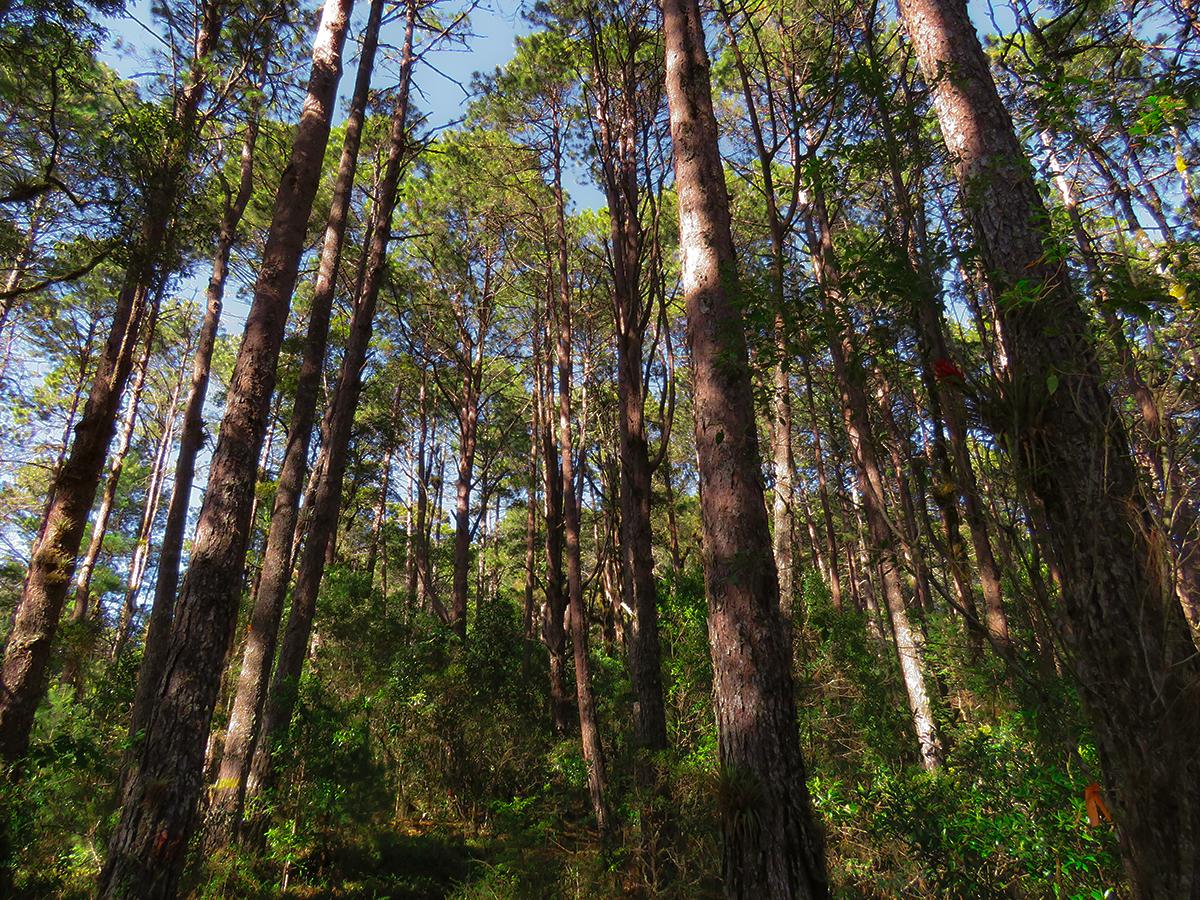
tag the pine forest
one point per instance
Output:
(600, 448)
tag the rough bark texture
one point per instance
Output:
(147, 848)
(1130, 647)
(225, 810)
(191, 439)
(27, 651)
(322, 527)
(772, 846)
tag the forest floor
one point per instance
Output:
(416, 860)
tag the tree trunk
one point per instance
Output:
(593, 750)
(191, 439)
(322, 527)
(225, 809)
(619, 119)
(147, 848)
(554, 613)
(468, 433)
(419, 586)
(27, 651)
(1070, 450)
(531, 495)
(856, 419)
(83, 581)
(772, 846)
(141, 552)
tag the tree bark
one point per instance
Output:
(225, 809)
(772, 845)
(147, 848)
(27, 651)
(322, 527)
(1132, 653)
(87, 565)
(191, 439)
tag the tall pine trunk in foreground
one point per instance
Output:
(148, 845)
(225, 810)
(27, 650)
(772, 845)
(1130, 647)
(191, 439)
(326, 504)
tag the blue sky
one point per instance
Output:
(441, 83)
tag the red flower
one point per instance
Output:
(944, 368)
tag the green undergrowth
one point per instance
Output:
(420, 768)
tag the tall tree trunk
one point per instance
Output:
(1070, 450)
(147, 848)
(618, 117)
(326, 503)
(27, 651)
(419, 586)
(856, 419)
(191, 439)
(589, 733)
(87, 565)
(225, 809)
(468, 436)
(554, 612)
(783, 463)
(772, 846)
